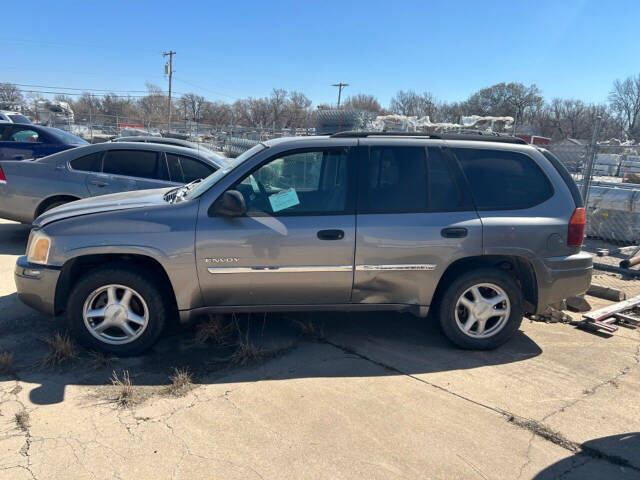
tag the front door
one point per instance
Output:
(296, 243)
(415, 217)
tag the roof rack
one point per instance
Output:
(478, 137)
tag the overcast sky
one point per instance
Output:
(231, 49)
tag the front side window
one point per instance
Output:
(88, 163)
(133, 163)
(302, 183)
(184, 169)
(502, 180)
(24, 135)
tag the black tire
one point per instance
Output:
(453, 292)
(159, 308)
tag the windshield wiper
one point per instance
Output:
(181, 192)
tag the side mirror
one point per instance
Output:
(230, 204)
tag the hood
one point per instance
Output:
(104, 203)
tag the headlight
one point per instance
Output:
(39, 245)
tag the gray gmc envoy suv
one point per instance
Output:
(479, 229)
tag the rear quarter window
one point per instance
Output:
(503, 180)
(88, 163)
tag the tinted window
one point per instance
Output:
(309, 183)
(24, 135)
(88, 163)
(19, 119)
(445, 184)
(185, 169)
(395, 180)
(132, 163)
(503, 180)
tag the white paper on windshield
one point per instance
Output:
(284, 199)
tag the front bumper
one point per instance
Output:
(36, 285)
(563, 277)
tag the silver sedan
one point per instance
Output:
(28, 188)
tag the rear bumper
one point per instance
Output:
(36, 285)
(563, 277)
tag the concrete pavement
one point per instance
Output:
(377, 396)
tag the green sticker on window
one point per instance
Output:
(284, 199)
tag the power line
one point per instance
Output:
(50, 92)
(80, 89)
(206, 89)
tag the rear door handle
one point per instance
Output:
(99, 183)
(331, 234)
(454, 232)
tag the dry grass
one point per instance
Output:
(22, 420)
(217, 328)
(181, 382)
(6, 362)
(309, 328)
(126, 393)
(100, 360)
(62, 350)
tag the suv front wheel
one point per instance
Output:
(117, 310)
(481, 309)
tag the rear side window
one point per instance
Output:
(88, 163)
(133, 163)
(410, 179)
(502, 180)
(185, 169)
(566, 176)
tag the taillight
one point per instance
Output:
(3, 179)
(578, 221)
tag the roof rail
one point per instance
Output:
(478, 137)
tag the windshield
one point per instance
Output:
(212, 179)
(66, 137)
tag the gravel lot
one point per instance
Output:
(359, 396)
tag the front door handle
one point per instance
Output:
(331, 234)
(99, 183)
(454, 232)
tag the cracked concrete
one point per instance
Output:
(380, 396)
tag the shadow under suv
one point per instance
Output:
(481, 230)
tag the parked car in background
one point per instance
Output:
(19, 141)
(13, 117)
(168, 141)
(481, 232)
(29, 188)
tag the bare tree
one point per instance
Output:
(10, 94)
(625, 102)
(153, 106)
(363, 101)
(191, 105)
(412, 104)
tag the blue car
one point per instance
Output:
(20, 141)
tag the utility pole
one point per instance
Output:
(340, 87)
(168, 70)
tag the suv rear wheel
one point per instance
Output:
(117, 310)
(481, 309)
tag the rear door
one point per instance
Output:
(414, 218)
(124, 170)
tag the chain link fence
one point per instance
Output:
(613, 208)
